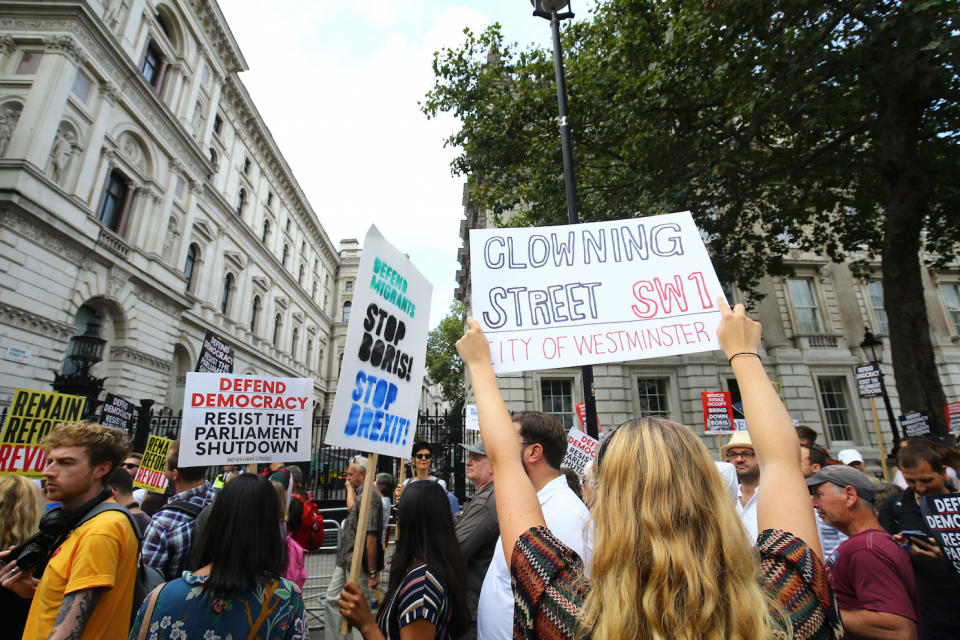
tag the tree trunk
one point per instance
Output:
(908, 190)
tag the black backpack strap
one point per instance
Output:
(183, 507)
(103, 507)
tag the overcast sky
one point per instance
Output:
(338, 81)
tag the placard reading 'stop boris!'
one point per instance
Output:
(381, 376)
(598, 292)
(235, 419)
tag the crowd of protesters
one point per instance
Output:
(777, 539)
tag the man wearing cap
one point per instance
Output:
(477, 528)
(870, 574)
(739, 452)
(851, 458)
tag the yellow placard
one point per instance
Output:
(31, 416)
(150, 475)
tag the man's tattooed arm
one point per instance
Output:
(74, 612)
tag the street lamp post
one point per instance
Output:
(84, 351)
(872, 348)
(552, 10)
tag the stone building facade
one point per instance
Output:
(813, 323)
(139, 184)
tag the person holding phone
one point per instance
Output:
(938, 586)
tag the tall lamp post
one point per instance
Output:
(84, 350)
(552, 10)
(872, 348)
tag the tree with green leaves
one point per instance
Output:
(444, 365)
(831, 127)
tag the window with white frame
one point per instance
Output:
(804, 302)
(652, 393)
(556, 398)
(836, 411)
(875, 295)
(951, 297)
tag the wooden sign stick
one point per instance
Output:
(360, 540)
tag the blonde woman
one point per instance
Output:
(670, 558)
(21, 507)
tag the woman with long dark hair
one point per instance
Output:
(427, 596)
(235, 588)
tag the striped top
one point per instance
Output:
(421, 595)
(549, 588)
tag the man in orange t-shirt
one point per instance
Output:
(86, 590)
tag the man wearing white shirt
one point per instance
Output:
(544, 444)
(739, 452)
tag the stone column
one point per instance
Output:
(46, 102)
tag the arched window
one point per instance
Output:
(255, 314)
(114, 203)
(286, 252)
(277, 323)
(225, 298)
(320, 359)
(190, 265)
(340, 364)
(309, 355)
(346, 311)
(213, 160)
(300, 276)
(266, 231)
(293, 342)
(313, 294)
(241, 200)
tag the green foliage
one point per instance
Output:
(444, 365)
(765, 118)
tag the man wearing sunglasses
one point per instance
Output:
(420, 461)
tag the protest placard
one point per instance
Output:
(378, 394)
(117, 412)
(717, 412)
(472, 419)
(31, 416)
(942, 514)
(151, 474)
(581, 410)
(235, 419)
(915, 423)
(868, 380)
(216, 356)
(597, 292)
(581, 449)
(952, 409)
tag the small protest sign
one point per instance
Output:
(717, 412)
(942, 514)
(216, 356)
(868, 380)
(952, 409)
(378, 394)
(581, 410)
(236, 419)
(915, 423)
(581, 449)
(473, 420)
(151, 474)
(596, 292)
(31, 416)
(117, 412)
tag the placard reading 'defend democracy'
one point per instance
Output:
(378, 394)
(235, 419)
(598, 292)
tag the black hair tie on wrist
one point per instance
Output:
(742, 353)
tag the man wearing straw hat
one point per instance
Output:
(739, 452)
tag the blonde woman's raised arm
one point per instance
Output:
(518, 508)
(783, 501)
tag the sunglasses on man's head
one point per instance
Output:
(423, 456)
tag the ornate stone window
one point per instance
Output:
(116, 200)
(152, 65)
(189, 267)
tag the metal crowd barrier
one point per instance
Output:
(322, 563)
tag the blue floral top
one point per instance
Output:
(183, 612)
